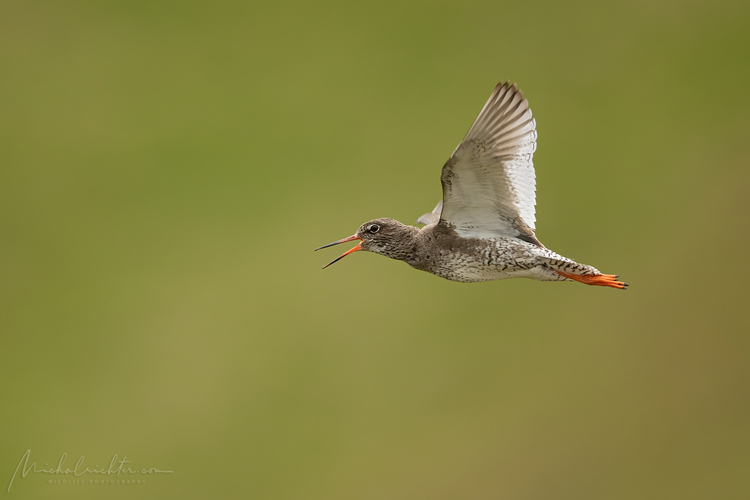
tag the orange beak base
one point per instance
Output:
(350, 238)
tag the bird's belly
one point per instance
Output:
(471, 270)
(493, 260)
(487, 273)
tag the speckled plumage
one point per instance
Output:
(437, 249)
(483, 228)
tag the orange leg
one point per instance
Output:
(596, 279)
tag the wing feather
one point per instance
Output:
(489, 185)
(432, 217)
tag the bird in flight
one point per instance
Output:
(483, 228)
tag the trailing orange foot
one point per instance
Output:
(596, 279)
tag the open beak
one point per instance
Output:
(350, 238)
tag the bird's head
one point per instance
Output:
(382, 236)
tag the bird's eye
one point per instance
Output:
(373, 228)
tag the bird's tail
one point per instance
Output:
(581, 273)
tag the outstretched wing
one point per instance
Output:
(489, 186)
(432, 217)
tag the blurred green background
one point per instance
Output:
(167, 168)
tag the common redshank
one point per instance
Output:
(483, 228)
